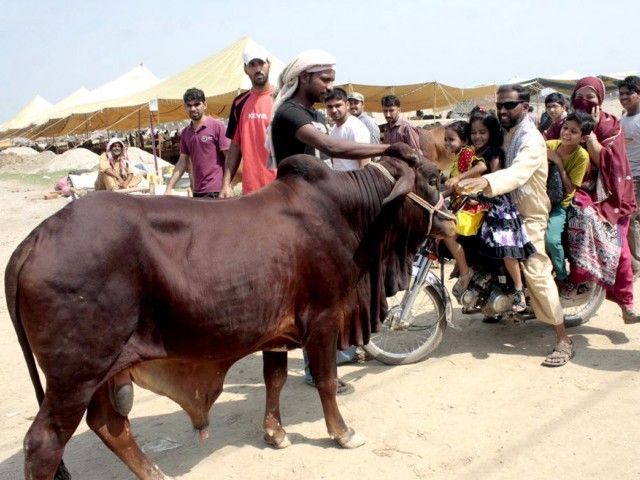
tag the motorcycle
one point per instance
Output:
(417, 318)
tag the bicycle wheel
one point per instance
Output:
(414, 339)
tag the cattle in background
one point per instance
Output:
(170, 292)
(432, 147)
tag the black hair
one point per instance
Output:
(462, 129)
(496, 135)
(193, 95)
(522, 91)
(545, 122)
(491, 122)
(390, 101)
(556, 97)
(586, 121)
(336, 94)
(632, 82)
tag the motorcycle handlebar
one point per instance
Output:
(481, 197)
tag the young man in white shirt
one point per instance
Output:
(346, 127)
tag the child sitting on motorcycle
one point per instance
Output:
(572, 162)
(469, 217)
(502, 233)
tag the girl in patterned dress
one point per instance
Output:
(502, 235)
(465, 165)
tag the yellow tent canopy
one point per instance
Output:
(220, 76)
(431, 95)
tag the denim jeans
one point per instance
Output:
(342, 356)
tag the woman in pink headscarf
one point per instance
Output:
(599, 222)
(114, 171)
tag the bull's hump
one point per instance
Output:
(304, 166)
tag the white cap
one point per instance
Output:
(252, 51)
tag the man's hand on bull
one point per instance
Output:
(401, 150)
(471, 185)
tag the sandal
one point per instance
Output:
(561, 354)
(343, 388)
(519, 303)
(462, 284)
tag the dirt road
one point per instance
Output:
(481, 408)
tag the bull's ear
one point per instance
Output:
(403, 186)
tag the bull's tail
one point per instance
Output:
(11, 286)
(11, 289)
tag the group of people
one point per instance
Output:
(504, 155)
(587, 148)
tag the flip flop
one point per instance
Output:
(561, 354)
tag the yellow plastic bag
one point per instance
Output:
(469, 222)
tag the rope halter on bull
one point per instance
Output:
(432, 209)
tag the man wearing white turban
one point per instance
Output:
(296, 126)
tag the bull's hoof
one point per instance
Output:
(123, 399)
(350, 439)
(277, 439)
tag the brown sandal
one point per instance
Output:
(561, 354)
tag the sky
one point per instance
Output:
(54, 48)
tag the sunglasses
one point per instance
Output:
(508, 105)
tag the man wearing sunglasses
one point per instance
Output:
(525, 176)
(203, 145)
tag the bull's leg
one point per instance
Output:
(49, 433)
(321, 349)
(115, 431)
(275, 375)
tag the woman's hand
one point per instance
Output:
(592, 140)
(595, 113)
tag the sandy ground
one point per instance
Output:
(480, 407)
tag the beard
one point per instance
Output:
(507, 123)
(259, 80)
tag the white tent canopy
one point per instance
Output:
(25, 117)
(135, 80)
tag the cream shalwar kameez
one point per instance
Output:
(528, 172)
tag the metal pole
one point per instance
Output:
(153, 143)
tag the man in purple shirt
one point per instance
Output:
(203, 142)
(398, 129)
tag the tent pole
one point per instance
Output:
(153, 142)
(433, 109)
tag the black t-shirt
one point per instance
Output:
(234, 114)
(286, 122)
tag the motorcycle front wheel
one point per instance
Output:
(414, 338)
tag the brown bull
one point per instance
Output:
(432, 147)
(170, 292)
